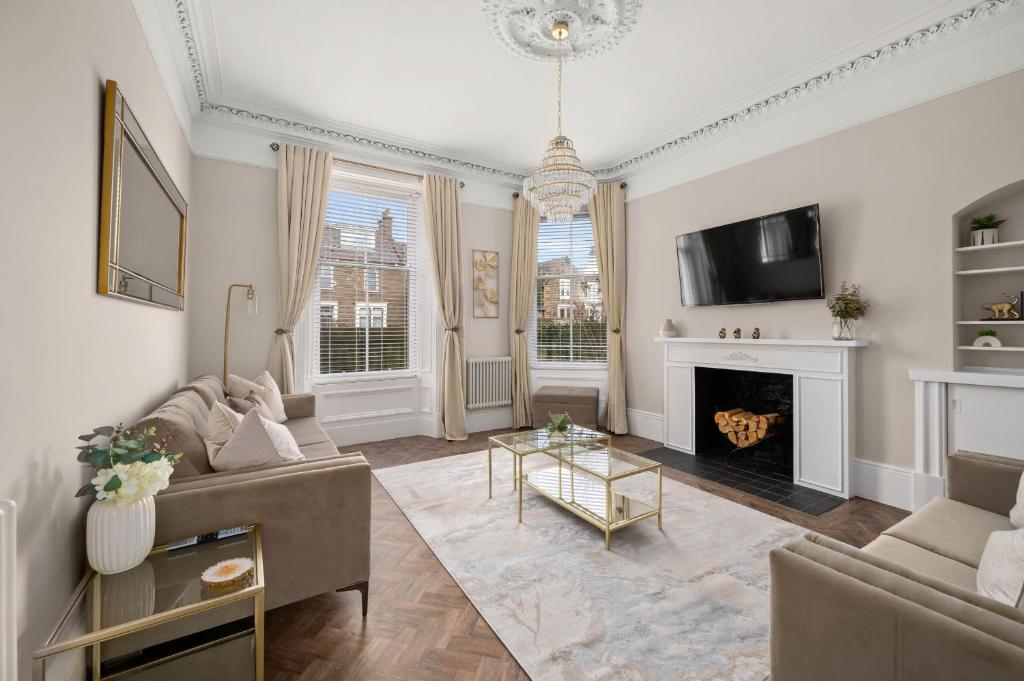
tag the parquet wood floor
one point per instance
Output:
(421, 626)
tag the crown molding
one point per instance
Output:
(901, 48)
(989, 13)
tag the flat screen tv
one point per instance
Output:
(762, 260)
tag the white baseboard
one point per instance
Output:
(645, 424)
(371, 426)
(478, 420)
(884, 483)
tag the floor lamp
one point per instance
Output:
(252, 306)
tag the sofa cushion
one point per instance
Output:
(176, 419)
(920, 560)
(307, 431)
(1001, 573)
(1017, 512)
(318, 450)
(951, 529)
(256, 441)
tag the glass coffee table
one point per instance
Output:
(159, 621)
(582, 470)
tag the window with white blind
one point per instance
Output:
(569, 325)
(367, 291)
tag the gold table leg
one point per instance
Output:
(608, 516)
(490, 474)
(519, 478)
(660, 506)
(258, 634)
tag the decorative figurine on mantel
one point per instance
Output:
(737, 333)
(1006, 311)
(757, 333)
(721, 333)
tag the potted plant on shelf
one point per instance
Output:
(846, 307)
(130, 468)
(985, 229)
(987, 338)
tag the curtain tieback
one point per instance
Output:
(520, 331)
(616, 331)
(453, 329)
(282, 332)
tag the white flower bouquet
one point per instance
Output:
(128, 466)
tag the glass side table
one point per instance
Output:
(159, 621)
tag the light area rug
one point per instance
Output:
(688, 602)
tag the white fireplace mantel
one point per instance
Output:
(823, 404)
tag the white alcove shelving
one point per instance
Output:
(989, 274)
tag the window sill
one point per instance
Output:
(376, 376)
(569, 367)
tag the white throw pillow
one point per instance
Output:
(257, 441)
(266, 387)
(1017, 512)
(1001, 571)
(220, 425)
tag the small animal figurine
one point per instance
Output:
(737, 332)
(757, 333)
(721, 332)
(1003, 310)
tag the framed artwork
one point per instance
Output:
(485, 284)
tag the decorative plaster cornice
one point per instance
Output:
(864, 62)
(304, 129)
(524, 26)
(871, 60)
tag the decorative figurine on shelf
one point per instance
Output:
(1003, 310)
(737, 332)
(721, 332)
(757, 333)
(559, 424)
(987, 339)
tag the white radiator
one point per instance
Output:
(8, 606)
(488, 382)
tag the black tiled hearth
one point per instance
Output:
(761, 481)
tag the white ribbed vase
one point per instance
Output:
(118, 539)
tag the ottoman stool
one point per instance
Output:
(579, 403)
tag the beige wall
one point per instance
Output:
(71, 359)
(486, 229)
(888, 190)
(233, 239)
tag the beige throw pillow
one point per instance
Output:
(1001, 571)
(1017, 512)
(266, 387)
(220, 426)
(256, 441)
(252, 401)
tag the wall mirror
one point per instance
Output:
(142, 215)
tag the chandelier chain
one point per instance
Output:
(558, 101)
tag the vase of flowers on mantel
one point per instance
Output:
(846, 307)
(129, 469)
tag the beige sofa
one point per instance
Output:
(314, 514)
(905, 608)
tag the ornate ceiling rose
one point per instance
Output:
(595, 26)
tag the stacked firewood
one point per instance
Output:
(744, 428)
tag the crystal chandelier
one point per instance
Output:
(561, 186)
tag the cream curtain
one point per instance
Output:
(441, 203)
(608, 215)
(525, 222)
(303, 183)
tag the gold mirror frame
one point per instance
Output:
(120, 127)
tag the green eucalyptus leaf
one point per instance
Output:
(113, 484)
(99, 459)
(86, 490)
(87, 437)
(130, 457)
(150, 457)
(130, 444)
(104, 430)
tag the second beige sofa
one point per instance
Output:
(906, 607)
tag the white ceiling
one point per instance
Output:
(433, 75)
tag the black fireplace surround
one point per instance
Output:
(765, 469)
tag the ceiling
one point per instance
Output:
(435, 76)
